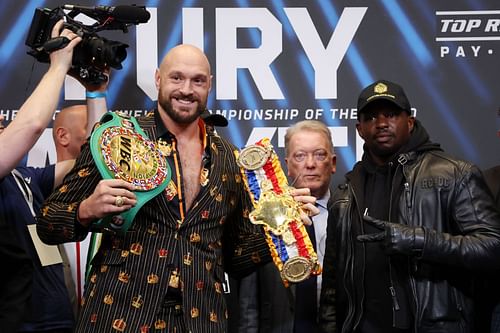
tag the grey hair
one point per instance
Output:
(308, 125)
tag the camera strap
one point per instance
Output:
(54, 44)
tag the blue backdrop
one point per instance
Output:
(278, 62)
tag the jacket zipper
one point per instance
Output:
(352, 309)
(392, 290)
(402, 160)
(412, 265)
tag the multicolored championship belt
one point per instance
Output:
(121, 150)
(278, 213)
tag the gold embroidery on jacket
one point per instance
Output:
(137, 302)
(84, 172)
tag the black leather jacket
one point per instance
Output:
(448, 199)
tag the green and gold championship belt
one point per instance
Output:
(121, 150)
(278, 213)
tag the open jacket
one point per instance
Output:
(130, 274)
(449, 200)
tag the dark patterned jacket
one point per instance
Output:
(130, 274)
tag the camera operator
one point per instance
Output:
(36, 112)
(15, 141)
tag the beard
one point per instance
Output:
(178, 116)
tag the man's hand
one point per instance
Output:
(397, 238)
(111, 196)
(91, 86)
(63, 58)
(308, 204)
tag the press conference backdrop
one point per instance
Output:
(278, 62)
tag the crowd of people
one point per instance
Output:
(405, 240)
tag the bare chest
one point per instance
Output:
(191, 160)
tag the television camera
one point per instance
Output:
(93, 53)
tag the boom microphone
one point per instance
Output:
(123, 14)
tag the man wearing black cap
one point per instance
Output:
(406, 230)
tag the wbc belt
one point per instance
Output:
(278, 213)
(121, 150)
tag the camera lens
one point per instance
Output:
(100, 51)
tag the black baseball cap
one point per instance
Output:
(383, 89)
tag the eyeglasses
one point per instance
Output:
(318, 155)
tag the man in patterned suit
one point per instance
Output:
(166, 272)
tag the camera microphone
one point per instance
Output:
(123, 14)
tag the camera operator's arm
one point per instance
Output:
(96, 101)
(34, 115)
(96, 108)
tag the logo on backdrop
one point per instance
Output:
(324, 58)
(258, 61)
(468, 34)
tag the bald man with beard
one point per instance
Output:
(166, 272)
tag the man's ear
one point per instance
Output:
(360, 130)
(157, 79)
(411, 123)
(63, 136)
(334, 163)
(210, 83)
